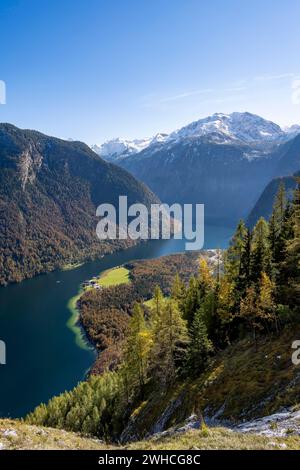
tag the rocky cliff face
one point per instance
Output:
(29, 164)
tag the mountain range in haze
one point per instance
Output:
(218, 128)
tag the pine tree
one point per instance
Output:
(208, 308)
(277, 232)
(192, 301)
(260, 253)
(234, 253)
(290, 267)
(243, 281)
(178, 290)
(200, 345)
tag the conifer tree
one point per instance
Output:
(199, 288)
(225, 304)
(243, 281)
(248, 311)
(208, 307)
(200, 345)
(290, 267)
(178, 290)
(266, 307)
(158, 299)
(192, 301)
(206, 278)
(277, 230)
(170, 339)
(260, 253)
(234, 253)
(136, 350)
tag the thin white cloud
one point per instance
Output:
(152, 100)
(235, 91)
(265, 78)
(186, 94)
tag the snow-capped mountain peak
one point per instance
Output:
(240, 128)
(120, 148)
(244, 127)
(292, 131)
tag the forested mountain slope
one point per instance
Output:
(218, 346)
(49, 192)
(264, 204)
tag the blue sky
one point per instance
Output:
(94, 69)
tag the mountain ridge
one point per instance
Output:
(218, 127)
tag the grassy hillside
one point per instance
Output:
(16, 435)
(217, 439)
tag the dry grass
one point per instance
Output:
(217, 438)
(15, 435)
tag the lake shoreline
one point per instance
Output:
(103, 324)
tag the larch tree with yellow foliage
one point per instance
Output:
(266, 306)
(169, 343)
(136, 353)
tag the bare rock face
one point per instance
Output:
(29, 164)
